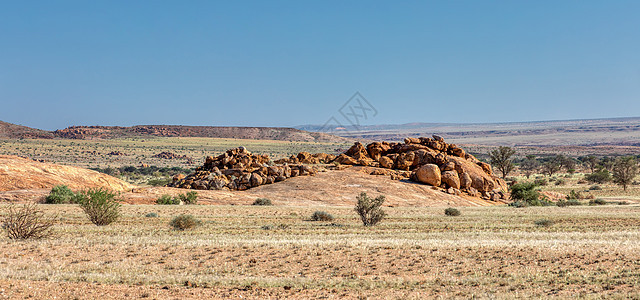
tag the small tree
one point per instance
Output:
(100, 205)
(527, 193)
(530, 165)
(501, 159)
(552, 165)
(370, 210)
(27, 222)
(590, 162)
(189, 198)
(625, 169)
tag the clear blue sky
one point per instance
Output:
(286, 63)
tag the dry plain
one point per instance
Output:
(275, 251)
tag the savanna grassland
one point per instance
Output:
(276, 251)
(102, 153)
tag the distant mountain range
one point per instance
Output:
(609, 131)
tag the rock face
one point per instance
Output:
(239, 169)
(431, 161)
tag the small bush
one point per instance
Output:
(27, 222)
(543, 222)
(561, 181)
(540, 181)
(601, 176)
(60, 194)
(528, 193)
(158, 181)
(151, 215)
(189, 198)
(370, 210)
(167, 200)
(184, 222)
(573, 195)
(321, 216)
(452, 212)
(262, 201)
(570, 202)
(100, 205)
(519, 204)
(595, 187)
(597, 202)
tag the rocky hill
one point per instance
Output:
(258, 133)
(13, 131)
(17, 173)
(430, 161)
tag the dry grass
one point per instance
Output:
(417, 252)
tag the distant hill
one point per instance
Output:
(259, 133)
(13, 131)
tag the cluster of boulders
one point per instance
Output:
(307, 158)
(431, 161)
(170, 155)
(239, 169)
(116, 153)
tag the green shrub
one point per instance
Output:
(321, 216)
(151, 215)
(543, 222)
(189, 198)
(100, 205)
(595, 187)
(597, 202)
(528, 193)
(262, 201)
(561, 181)
(452, 212)
(184, 222)
(369, 209)
(60, 194)
(167, 200)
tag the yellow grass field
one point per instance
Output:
(276, 251)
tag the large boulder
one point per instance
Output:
(429, 174)
(451, 179)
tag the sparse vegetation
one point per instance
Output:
(321, 216)
(151, 215)
(27, 222)
(262, 201)
(369, 209)
(600, 176)
(189, 198)
(452, 212)
(60, 194)
(597, 202)
(543, 222)
(184, 222)
(100, 205)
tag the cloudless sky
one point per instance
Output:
(286, 63)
